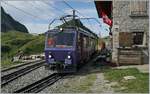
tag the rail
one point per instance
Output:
(12, 76)
(40, 85)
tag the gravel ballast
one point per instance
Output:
(25, 80)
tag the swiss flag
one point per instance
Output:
(106, 19)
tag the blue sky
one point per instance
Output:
(36, 15)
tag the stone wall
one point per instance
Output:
(123, 22)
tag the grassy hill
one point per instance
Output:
(36, 45)
(13, 41)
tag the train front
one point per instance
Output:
(60, 51)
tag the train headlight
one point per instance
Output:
(50, 56)
(61, 29)
(68, 56)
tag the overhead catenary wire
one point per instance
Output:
(71, 7)
(54, 7)
(30, 14)
(50, 5)
(87, 18)
(80, 12)
(39, 8)
(63, 11)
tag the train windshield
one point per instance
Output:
(60, 40)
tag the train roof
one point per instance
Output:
(76, 24)
(77, 29)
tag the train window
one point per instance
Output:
(87, 42)
(91, 42)
(79, 39)
(60, 40)
(84, 42)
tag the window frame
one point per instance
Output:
(47, 36)
(142, 38)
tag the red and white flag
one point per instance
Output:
(106, 19)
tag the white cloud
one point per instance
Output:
(37, 27)
(28, 11)
(82, 1)
(97, 28)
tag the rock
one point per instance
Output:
(106, 81)
(111, 84)
(129, 77)
(122, 88)
(114, 83)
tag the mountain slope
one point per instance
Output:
(9, 24)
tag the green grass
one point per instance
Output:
(85, 85)
(13, 41)
(8, 63)
(138, 85)
(35, 46)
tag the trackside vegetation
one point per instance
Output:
(138, 85)
(14, 41)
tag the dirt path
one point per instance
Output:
(100, 85)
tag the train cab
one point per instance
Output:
(60, 48)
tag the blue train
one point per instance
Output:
(69, 47)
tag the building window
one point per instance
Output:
(138, 38)
(138, 8)
(131, 39)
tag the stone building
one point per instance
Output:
(130, 29)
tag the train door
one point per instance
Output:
(85, 48)
(80, 47)
(88, 47)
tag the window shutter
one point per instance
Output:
(125, 39)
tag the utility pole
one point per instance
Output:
(74, 17)
(74, 14)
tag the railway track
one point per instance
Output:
(20, 65)
(14, 75)
(41, 84)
